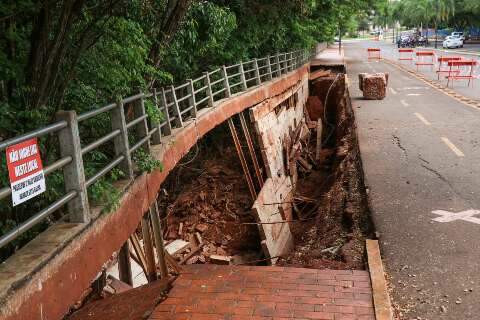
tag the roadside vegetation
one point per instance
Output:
(430, 14)
(80, 54)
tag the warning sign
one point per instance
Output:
(25, 171)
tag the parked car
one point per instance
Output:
(458, 34)
(453, 42)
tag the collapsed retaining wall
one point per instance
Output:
(279, 123)
(44, 278)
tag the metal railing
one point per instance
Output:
(177, 103)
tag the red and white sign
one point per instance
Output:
(25, 171)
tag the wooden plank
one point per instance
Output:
(137, 247)
(318, 148)
(381, 299)
(148, 249)
(191, 254)
(319, 74)
(172, 262)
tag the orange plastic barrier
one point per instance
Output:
(374, 53)
(425, 58)
(468, 66)
(405, 54)
(443, 61)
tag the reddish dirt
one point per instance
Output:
(335, 237)
(210, 196)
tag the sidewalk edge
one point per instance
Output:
(381, 298)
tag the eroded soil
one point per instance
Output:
(209, 195)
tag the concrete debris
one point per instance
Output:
(115, 286)
(176, 246)
(221, 260)
(374, 86)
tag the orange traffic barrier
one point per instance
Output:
(462, 65)
(443, 62)
(405, 54)
(374, 53)
(425, 58)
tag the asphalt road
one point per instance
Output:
(420, 152)
(390, 51)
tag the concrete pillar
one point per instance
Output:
(124, 267)
(191, 100)
(209, 89)
(73, 173)
(225, 82)
(121, 141)
(156, 136)
(242, 76)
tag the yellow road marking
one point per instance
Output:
(422, 118)
(453, 147)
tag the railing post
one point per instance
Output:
(277, 64)
(168, 125)
(73, 173)
(288, 58)
(156, 136)
(176, 109)
(121, 141)
(209, 89)
(191, 100)
(269, 68)
(257, 71)
(141, 129)
(225, 82)
(242, 76)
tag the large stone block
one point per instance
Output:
(374, 86)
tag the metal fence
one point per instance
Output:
(177, 103)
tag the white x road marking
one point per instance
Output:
(467, 215)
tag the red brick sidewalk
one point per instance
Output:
(269, 293)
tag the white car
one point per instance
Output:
(452, 42)
(458, 35)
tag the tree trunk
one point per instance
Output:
(174, 14)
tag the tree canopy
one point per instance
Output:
(79, 54)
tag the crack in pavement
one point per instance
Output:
(438, 174)
(398, 143)
(420, 157)
(441, 177)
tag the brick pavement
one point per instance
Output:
(249, 293)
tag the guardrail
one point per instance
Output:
(177, 103)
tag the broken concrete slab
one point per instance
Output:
(221, 260)
(176, 246)
(272, 208)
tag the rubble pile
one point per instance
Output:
(335, 237)
(203, 220)
(374, 86)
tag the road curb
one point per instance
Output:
(381, 298)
